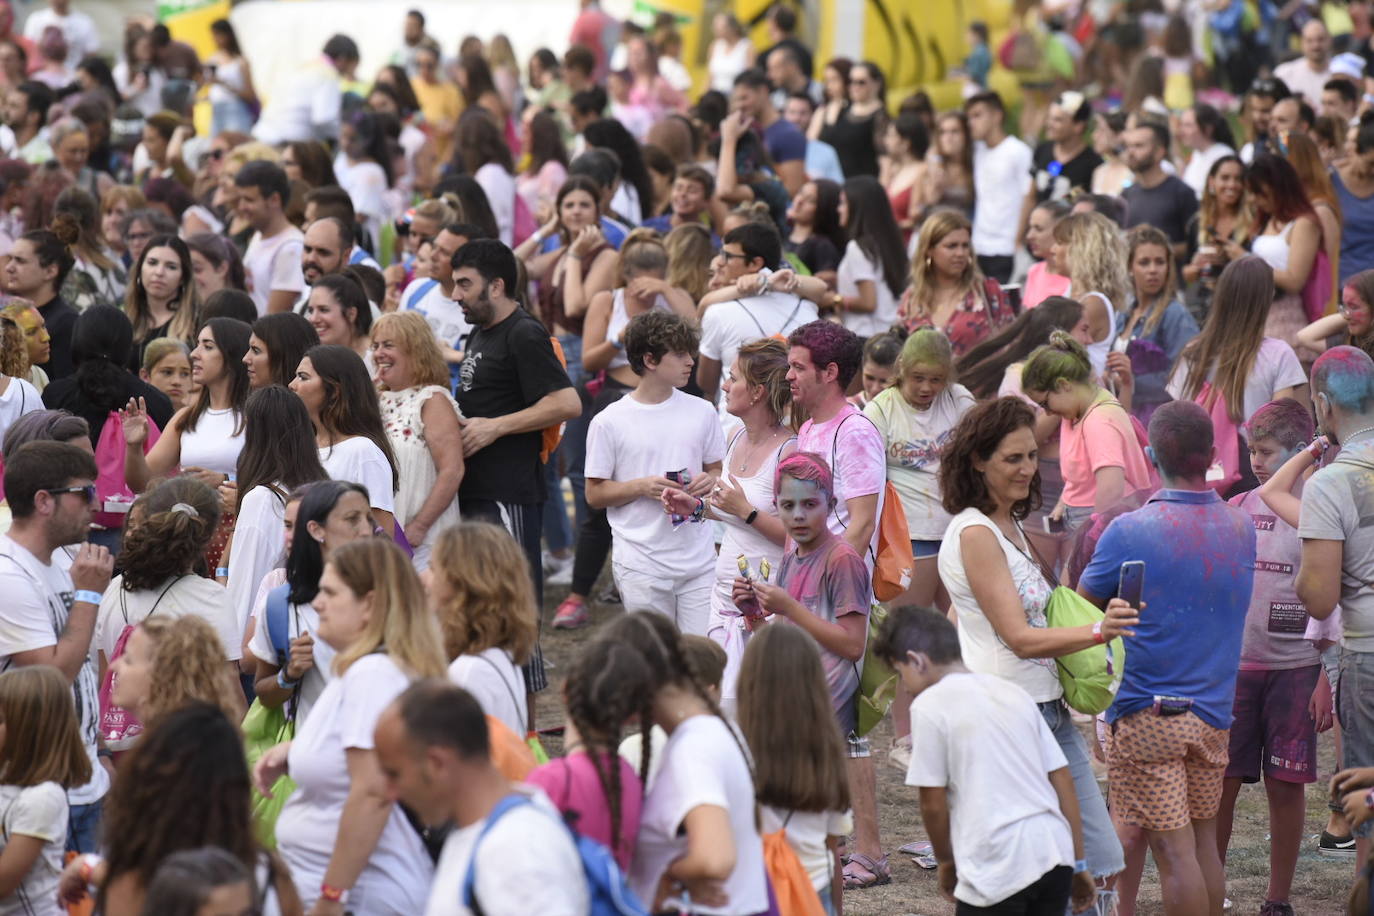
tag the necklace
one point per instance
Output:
(1359, 432)
(752, 451)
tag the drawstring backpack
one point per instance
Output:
(118, 726)
(791, 884)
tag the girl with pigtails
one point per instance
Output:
(698, 841)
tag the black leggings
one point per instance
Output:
(594, 537)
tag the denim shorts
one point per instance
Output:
(923, 550)
(1355, 711)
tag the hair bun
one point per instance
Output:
(66, 227)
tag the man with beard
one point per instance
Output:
(511, 387)
(1157, 199)
(324, 250)
(26, 111)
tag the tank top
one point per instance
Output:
(1357, 229)
(1097, 352)
(230, 73)
(551, 294)
(1274, 249)
(620, 318)
(853, 140)
(212, 444)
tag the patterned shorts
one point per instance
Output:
(1165, 771)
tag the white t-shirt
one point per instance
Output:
(259, 533)
(703, 764)
(18, 399)
(914, 440)
(526, 863)
(300, 618)
(1276, 368)
(190, 594)
(445, 317)
(727, 326)
(986, 742)
(306, 106)
(213, 444)
(40, 812)
(38, 600)
(397, 875)
(1001, 177)
(854, 267)
(274, 264)
(1200, 163)
(807, 832)
(78, 28)
(1302, 80)
(500, 188)
(630, 439)
(357, 459)
(626, 202)
(496, 683)
(983, 650)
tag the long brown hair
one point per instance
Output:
(1230, 340)
(492, 597)
(786, 715)
(184, 305)
(350, 406)
(1136, 239)
(1207, 207)
(42, 740)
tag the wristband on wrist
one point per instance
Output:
(89, 861)
(333, 894)
(1369, 799)
(749, 519)
(1080, 865)
(283, 682)
(1097, 633)
(618, 344)
(700, 511)
(86, 595)
(221, 571)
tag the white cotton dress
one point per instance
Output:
(405, 428)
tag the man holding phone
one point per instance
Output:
(1169, 725)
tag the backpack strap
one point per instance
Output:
(519, 707)
(514, 800)
(278, 623)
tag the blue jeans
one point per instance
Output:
(573, 448)
(1101, 847)
(1355, 712)
(83, 827)
(557, 530)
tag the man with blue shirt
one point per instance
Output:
(1170, 721)
(785, 144)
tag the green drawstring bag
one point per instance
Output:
(263, 729)
(1090, 677)
(877, 680)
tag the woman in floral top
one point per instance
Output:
(948, 292)
(421, 420)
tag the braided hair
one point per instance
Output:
(605, 687)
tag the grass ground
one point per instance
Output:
(1320, 887)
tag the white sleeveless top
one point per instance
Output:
(1097, 352)
(230, 74)
(620, 318)
(212, 444)
(1273, 249)
(405, 427)
(740, 538)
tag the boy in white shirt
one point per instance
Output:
(633, 447)
(997, 797)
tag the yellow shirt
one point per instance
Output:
(440, 102)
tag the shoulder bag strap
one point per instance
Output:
(757, 323)
(519, 707)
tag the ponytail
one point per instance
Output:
(179, 516)
(1061, 358)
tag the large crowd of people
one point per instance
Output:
(1046, 442)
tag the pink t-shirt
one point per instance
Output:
(1103, 438)
(1040, 285)
(1276, 623)
(854, 448)
(572, 785)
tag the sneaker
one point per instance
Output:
(610, 594)
(1336, 847)
(558, 570)
(571, 615)
(1274, 908)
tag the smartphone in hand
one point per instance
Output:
(1131, 583)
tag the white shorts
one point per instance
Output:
(685, 600)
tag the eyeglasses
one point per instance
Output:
(1347, 309)
(858, 82)
(727, 255)
(88, 490)
(216, 154)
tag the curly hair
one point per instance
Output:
(14, 352)
(828, 343)
(657, 333)
(1097, 256)
(184, 785)
(414, 338)
(491, 597)
(189, 659)
(977, 436)
(605, 687)
(179, 517)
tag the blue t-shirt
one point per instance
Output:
(1357, 229)
(664, 225)
(1199, 558)
(784, 142)
(613, 231)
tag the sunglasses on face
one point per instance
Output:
(88, 491)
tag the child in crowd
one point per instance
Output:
(598, 790)
(42, 756)
(167, 367)
(799, 765)
(1273, 733)
(656, 438)
(822, 584)
(707, 661)
(997, 797)
(879, 365)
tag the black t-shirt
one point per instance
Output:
(60, 319)
(507, 368)
(818, 253)
(1054, 179)
(1168, 206)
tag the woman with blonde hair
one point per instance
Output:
(37, 343)
(421, 422)
(339, 832)
(171, 662)
(689, 259)
(480, 591)
(1089, 250)
(17, 395)
(948, 292)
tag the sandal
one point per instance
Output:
(863, 871)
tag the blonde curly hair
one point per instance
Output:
(1096, 256)
(190, 663)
